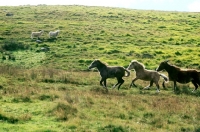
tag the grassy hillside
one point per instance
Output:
(53, 90)
(114, 35)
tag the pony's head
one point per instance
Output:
(94, 64)
(135, 65)
(162, 65)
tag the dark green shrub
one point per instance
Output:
(13, 46)
(178, 53)
(113, 128)
(162, 27)
(9, 119)
(170, 39)
(48, 97)
(64, 111)
(148, 115)
(197, 129)
(113, 51)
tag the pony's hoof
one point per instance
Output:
(146, 88)
(193, 91)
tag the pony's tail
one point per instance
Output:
(128, 72)
(199, 74)
(165, 77)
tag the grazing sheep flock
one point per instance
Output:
(52, 34)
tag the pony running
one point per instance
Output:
(177, 74)
(109, 72)
(146, 75)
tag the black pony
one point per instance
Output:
(109, 72)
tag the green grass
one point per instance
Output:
(54, 91)
(106, 33)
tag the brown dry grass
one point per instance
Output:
(77, 99)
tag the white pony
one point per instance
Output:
(36, 34)
(54, 34)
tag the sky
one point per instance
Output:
(164, 5)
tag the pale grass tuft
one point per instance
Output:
(64, 111)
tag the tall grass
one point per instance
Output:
(82, 104)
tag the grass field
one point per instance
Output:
(54, 90)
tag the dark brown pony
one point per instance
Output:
(177, 74)
(109, 72)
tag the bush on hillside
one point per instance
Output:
(13, 46)
(64, 111)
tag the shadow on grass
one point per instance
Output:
(197, 130)
(114, 128)
(5, 117)
(51, 39)
(187, 91)
(110, 91)
(10, 119)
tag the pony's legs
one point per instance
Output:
(121, 82)
(151, 83)
(158, 87)
(105, 83)
(198, 82)
(174, 86)
(103, 80)
(115, 85)
(118, 82)
(163, 84)
(132, 83)
(195, 84)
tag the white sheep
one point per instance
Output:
(53, 34)
(36, 34)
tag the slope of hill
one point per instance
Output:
(49, 90)
(112, 34)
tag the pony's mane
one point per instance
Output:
(139, 65)
(174, 66)
(183, 69)
(102, 63)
